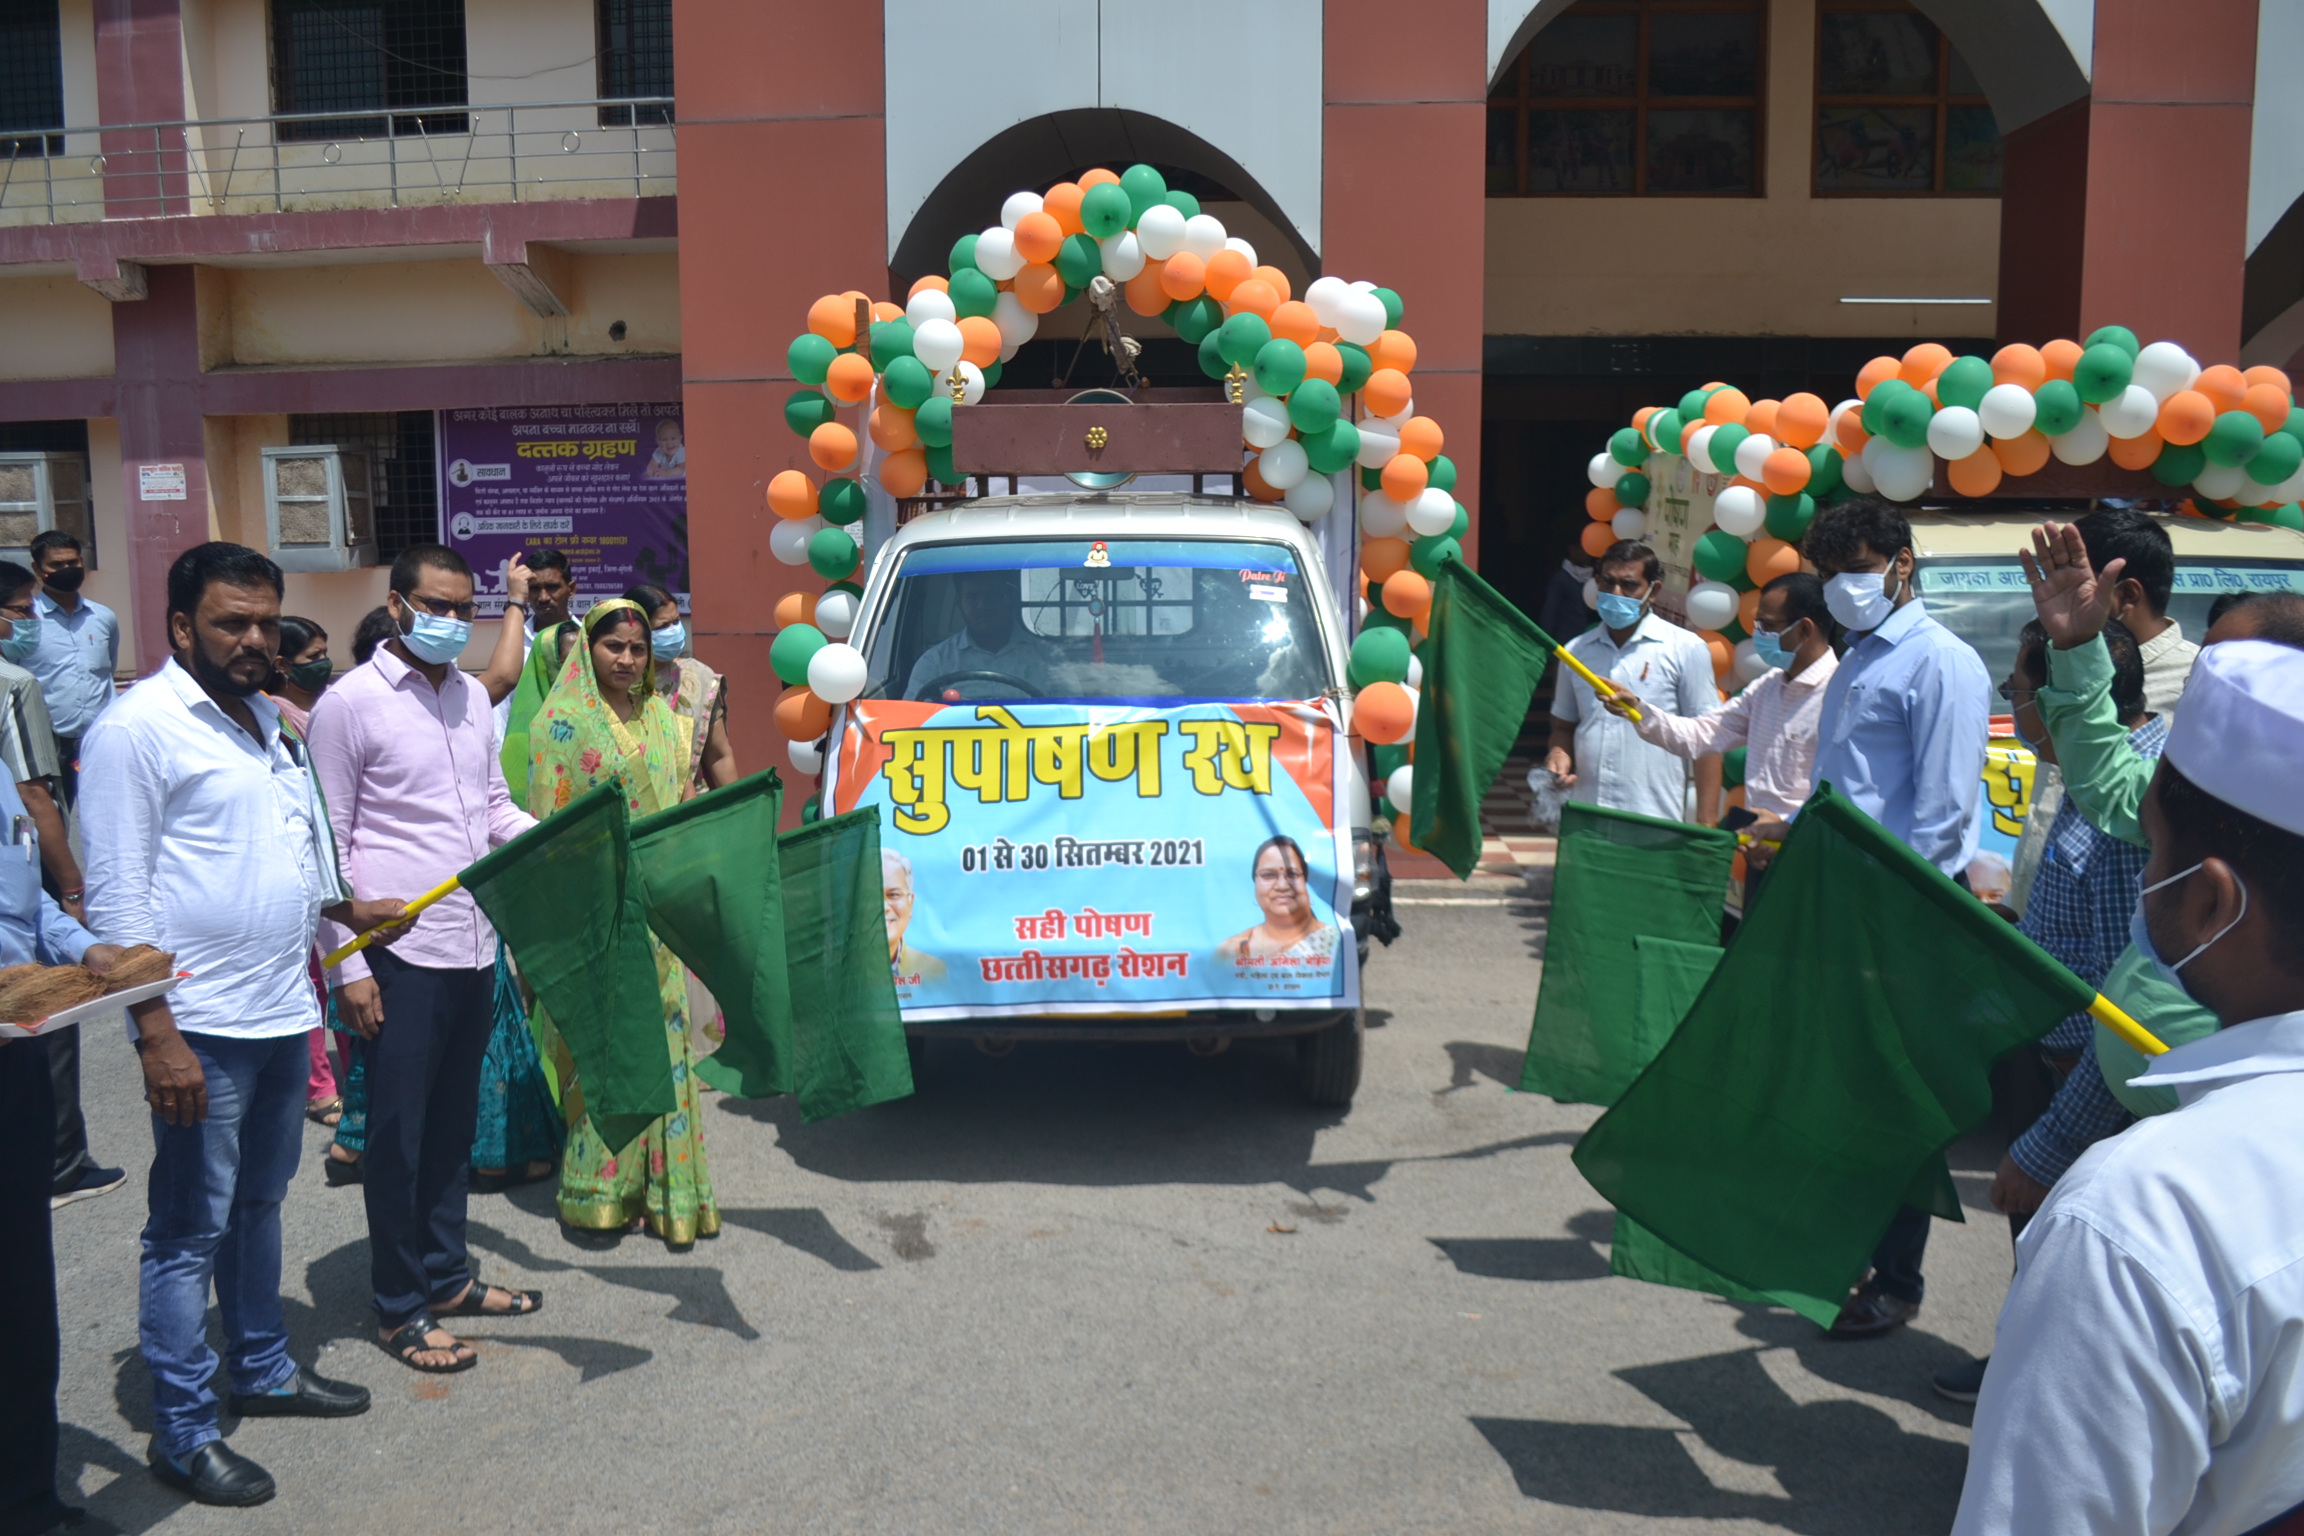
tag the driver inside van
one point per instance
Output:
(992, 639)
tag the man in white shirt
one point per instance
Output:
(2140, 597)
(992, 639)
(2146, 1372)
(205, 839)
(1599, 758)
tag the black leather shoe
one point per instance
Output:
(308, 1395)
(1870, 1313)
(214, 1474)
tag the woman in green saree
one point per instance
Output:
(603, 719)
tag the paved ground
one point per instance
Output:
(1088, 1288)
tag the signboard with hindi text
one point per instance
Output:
(1066, 858)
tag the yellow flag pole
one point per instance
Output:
(338, 957)
(2107, 1013)
(1600, 685)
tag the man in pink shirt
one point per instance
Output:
(405, 750)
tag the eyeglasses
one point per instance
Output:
(1280, 876)
(2012, 693)
(441, 609)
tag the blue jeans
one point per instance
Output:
(215, 1197)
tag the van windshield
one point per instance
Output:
(1986, 602)
(1120, 620)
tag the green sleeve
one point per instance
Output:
(2103, 775)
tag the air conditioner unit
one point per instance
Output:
(316, 508)
(38, 492)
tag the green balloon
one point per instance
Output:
(1691, 405)
(1393, 308)
(1732, 765)
(1632, 489)
(806, 411)
(811, 810)
(1078, 259)
(1314, 405)
(1381, 617)
(891, 339)
(2056, 406)
(933, 420)
(1145, 187)
(1440, 474)
(972, 293)
(1427, 555)
(2115, 336)
(1240, 338)
(1371, 479)
(2294, 425)
(940, 466)
(1378, 656)
(1720, 555)
(1663, 430)
(1279, 366)
(2280, 457)
(790, 652)
(2236, 438)
(1357, 366)
(852, 588)
(907, 382)
(1627, 447)
(1211, 354)
(810, 357)
(841, 502)
(1725, 439)
(1388, 756)
(1105, 210)
(2179, 464)
(992, 372)
(2289, 516)
(1462, 525)
(1824, 475)
(2102, 372)
(963, 255)
(1875, 412)
(832, 553)
(1904, 419)
(1334, 450)
(1789, 516)
(1196, 318)
(1734, 631)
(1183, 202)
(1964, 381)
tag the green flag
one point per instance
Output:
(847, 1033)
(565, 897)
(1483, 663)
(715, 896)
(1842, 1043)
(1634, 934)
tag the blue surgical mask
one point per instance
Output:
(670, 642)
(1618, 611)
(1768, 645)
(2140, 933)
(434, 640)
(23, 639)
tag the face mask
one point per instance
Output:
(435, 640)
(669, 642)
(1620, 612)
(312, 676)
(2140, 933)
(23, 639)
(1860, 599)
(67, 578)
(1769, 647)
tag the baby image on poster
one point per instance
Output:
(1291, 937)
(670, 460)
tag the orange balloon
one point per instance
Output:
(2223, 385)
(1928, 388)
(1726, 405)
(1421, 436)
(1801, 420)
(853, 294)
(2137, 452)
(1183, 277)
(833, 317)
(2186, 416)
(1761, 419)
(2017, 363)
(1748, 606)
(1293, 320)
(1924, 362)
(849, 379)
(1393, 349)
(1405, 477)
(887, 311)
(2058, 357)
(802, 716)
(1640, 416)
(1379, 558)
(1402, 833)
(1252, 478)
(1383, 712)
(1976, 475)
(891, 429)
(1039, 288)
(1849, 435)
(1768, 559)
(1062, 203)
(1146, 292)
(1097, 178)
(1039, 236)
(1323, 361)
(921, 285)
(1874, 371)
(2265, 373)
(1252, 296)
(979, 341)
(1597, 539)
(1723, 654)
(1274, 278)
(1387, 392)
(1227, 270)
(1407, 595)
(2020, 455)
(902, 474)
(2268, 403)
(1600, 503)
(1786, 472)
(832, 446)
(795, 608)
(792, 495)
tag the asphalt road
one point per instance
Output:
(1085, 1288)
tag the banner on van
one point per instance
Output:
(1084, 859)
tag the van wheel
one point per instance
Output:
(1328, 1060)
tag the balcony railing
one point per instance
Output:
(332, 160)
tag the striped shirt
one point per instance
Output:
(27, 741)
(1775, 718)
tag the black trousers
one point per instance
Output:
(27, 1296)
(423, 1100)
(69, 1151)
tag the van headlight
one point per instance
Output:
(1363, 865)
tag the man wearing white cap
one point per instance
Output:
(2148, 1375)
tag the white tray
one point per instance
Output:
(94, 1008)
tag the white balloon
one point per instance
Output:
(2290, 489)
(788, 540)
(1264, 422)
(1161, 231)
(1377, 446)
(971, 382)
(806, 756)
(1902, 474)
(1363, 285)
(1955, 432)
(1283, 464)
(938, 343)
(1432, 512)
(1360, 318)
(2163, 368)
(1310, 498)
(1203, 235)
(1739, 510)
(1017, 324)
(1700, 448)
(996, 255)
(1123, 256)
(1752, 454)
(1381, 517)
(1415, 672)
(1415, 710)
(2131, 413)
(1235, 243)
(1603, 470)
(1748, 664)
(1711, 605)
(1324, 295)
(2085, 443)
(1591, 593)
(1400, 788)
(836, 673)
(1018, 205)
(1629, 523)
(2007, 410)
(2220, 480)
(836, 614)
(929, 304)
(1395, 423)
(1857, 476)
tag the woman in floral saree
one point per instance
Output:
(603, 720)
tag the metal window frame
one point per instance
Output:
(343, 552)
(1942, 100)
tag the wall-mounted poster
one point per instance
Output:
(607, 485)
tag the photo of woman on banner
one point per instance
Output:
(912, 968)
(1291, 931)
